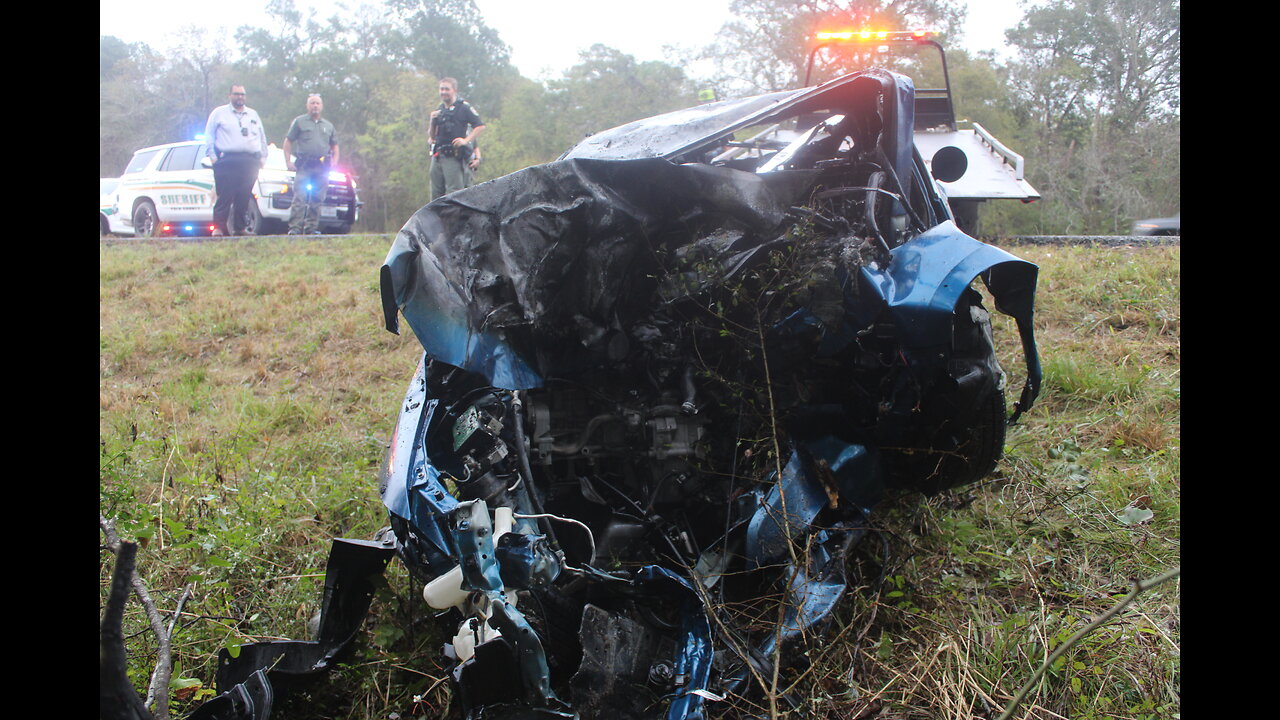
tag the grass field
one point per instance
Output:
(247, 388)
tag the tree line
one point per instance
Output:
(1090, 97)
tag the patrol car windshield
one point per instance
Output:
(141, 160)
(275, 158)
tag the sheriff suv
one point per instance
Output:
(169, 190)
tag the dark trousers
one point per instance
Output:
(233, 177)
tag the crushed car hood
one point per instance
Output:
(497, 278)
(514, 277)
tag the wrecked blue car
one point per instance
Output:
(671, 374)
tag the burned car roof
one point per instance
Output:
(675, 372)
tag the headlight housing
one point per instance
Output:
(274, 188)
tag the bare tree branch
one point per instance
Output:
(158, 692)
(1138, 587)
(116, 697)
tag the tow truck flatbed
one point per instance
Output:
(995, 172)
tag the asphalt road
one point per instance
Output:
(1081, 240)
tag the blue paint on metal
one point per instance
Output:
(856, 472)
(526, 561)
(530, 655)
(901, 117)
(478, 351)
(414, 490)
(927, 277)
(832, 337)
(810, 598)
(472, 530)
(440, 321)
(695, 655)
(793, 502)
(694, 663)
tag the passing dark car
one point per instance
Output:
(666, 381)
(1159, 227)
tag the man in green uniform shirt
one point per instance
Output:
(315, 141)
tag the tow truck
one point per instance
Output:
(971, 165)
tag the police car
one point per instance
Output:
(169, 190)
(106, 203)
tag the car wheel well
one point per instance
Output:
(155, 218)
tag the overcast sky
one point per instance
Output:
(544, 35)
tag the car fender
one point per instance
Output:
(927, 276)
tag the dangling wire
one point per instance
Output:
(590, 536)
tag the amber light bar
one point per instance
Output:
(874, 35)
